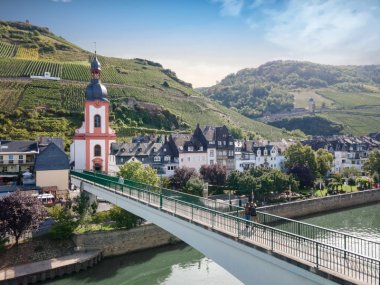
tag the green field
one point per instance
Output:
(301, 99)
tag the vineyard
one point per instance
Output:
(13, 67)
(78, 72)
(72, 97)
(6, 50)
(41, 94)
(10, 95)
(40, 67)
(27, 53)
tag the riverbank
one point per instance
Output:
(308, 207)
(90, 249)
(49, 269)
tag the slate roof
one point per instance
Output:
(43, 142)
(52, 158)
(18, 146)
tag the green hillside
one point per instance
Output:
(345, 96)
(144, 96)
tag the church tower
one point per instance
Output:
(91, 147)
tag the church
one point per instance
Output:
(91, 145)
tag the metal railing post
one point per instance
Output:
(160, 198)
(317, 254)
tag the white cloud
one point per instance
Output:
(230, 7)
(326, 26)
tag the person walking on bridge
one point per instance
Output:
(247, 213)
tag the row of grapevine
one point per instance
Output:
(6, 50)
(78, 72)
(72, 97)
(43, 94)
(40, 67)
(27, 53)
(13, 67)
(10, 93)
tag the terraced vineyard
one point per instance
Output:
(10, 95)
(27, 53)
(7, 50)
(35, 105)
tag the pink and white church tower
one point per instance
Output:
(91, 145)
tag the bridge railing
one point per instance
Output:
(213, 204)
(279, 242)
(327, 236)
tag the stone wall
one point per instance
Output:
(124, 241)
(317, 205)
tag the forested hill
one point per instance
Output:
(346, 95)
(144, 96)
(298, 74)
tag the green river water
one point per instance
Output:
(183, 265)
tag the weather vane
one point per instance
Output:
(94, 47)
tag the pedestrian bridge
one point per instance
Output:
(274, 250)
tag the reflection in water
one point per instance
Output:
(167, 265)
(360, 221)
(184, 265)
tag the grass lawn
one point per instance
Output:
(346, 188)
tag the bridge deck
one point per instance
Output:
(345, 265)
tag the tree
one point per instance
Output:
(351, 182)
(351, 172)
(324, 160)
(194, 186)
(20, 213)
(181, 176)
(372, 165)
(123, 218)
(64, 223)
(136, 171)
(237, 133)
(214, 174)
(303, 174)
(246, 183)
(300, 161)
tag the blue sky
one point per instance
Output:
(204, 40)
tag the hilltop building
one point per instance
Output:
(92, 141)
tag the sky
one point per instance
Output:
(205, 40)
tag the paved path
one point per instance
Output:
(45, 265)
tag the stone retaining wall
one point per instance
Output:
(318, 205)
(124, 241)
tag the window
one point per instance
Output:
(157, 158)
(265, 152)
(5, 169)
(219, 143)
(20, 159)
(224, 152)
(224, 142)
(201, 148)
(211, 153)
(212, 142)
(231, 143)
(97, 150)
(230, 153)
(167, 158)
(10, 158)
(211, 161)
(190, 148)
(97, 122)
(1, 159)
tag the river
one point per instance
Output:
(182, 264)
